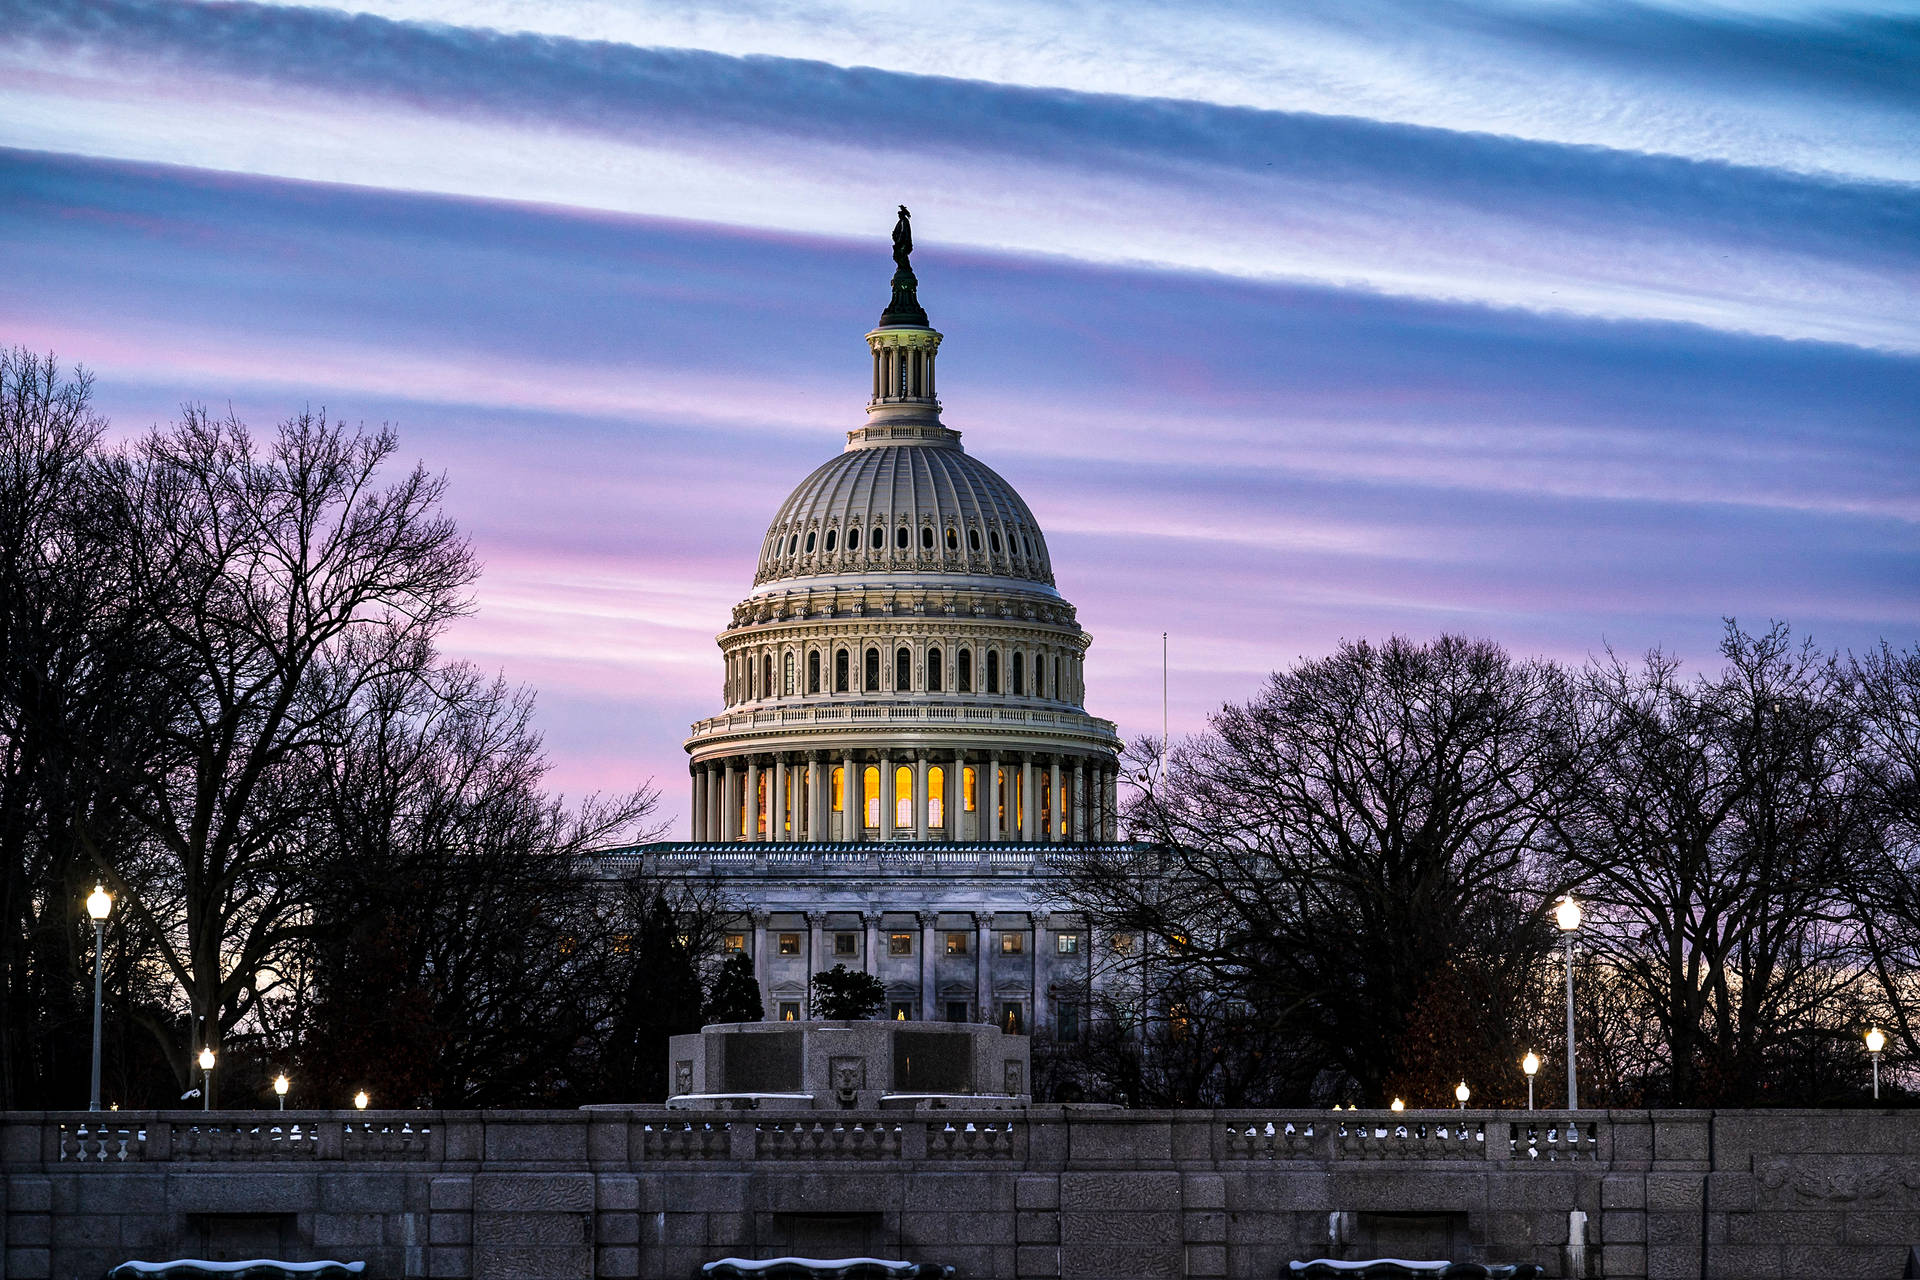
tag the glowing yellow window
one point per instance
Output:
(936, 797)
(839, 789)
(902, 797)
(870, 776)
(966, 787)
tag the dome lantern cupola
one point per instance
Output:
(904, 347)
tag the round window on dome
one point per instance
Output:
(853, 538)
(926, 538)
(830, 534)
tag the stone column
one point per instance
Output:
(752, 832)
(1030, 798)
(813, 796)
(990, 811)
(928, 994)
(766, 948)
(1079, 810)
(716, 804)
(1112, 803)
(956, 799)
(1040, 1016)
(1058, 809)
(849, 793)
(729, 812)
(777, 799)
(814, 920)
(982, 967)
(870, 919)
(698, 807)
(920, 796)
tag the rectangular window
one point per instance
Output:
(900, 1011)
(956, 944)
(1013, 944)
(846, 944)
(957, 1011)
(899, 944)
(736, 942)
(789, 944)
(1067, 944)
(1012, 1019)
(1066, 1022)
(789, 1011)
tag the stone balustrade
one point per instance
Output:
(1042, 1192)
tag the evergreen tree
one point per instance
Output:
(841, 994)
(736, 994)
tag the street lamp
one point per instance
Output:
(280, 1086)
(206, 1078)
(1530, 1064)
(1567, 914)
(1876, 1041)
(99, 906)
(1398, 1105)
(1463, 1093)
(360, 1100)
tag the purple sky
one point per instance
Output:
(1560, 324)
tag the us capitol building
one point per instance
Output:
(904, 750)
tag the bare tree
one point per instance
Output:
(1887, 890)
(1713, 837)
(287, 581)
(1370, 821)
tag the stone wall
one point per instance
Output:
(1047, 1192)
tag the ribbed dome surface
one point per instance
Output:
(930, 507)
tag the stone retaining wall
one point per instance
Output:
(1047, 1192)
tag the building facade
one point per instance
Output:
(904, 747)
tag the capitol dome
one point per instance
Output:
(924, 506)
(903, 669)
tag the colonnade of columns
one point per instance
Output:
(919, 794)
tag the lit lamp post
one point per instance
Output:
(1463, 1093)
(1567, 914)
(1398, 1105)
(99, 906)
(360, 1100)
(206, 1078)
(1530, 1064)
(280, 1086)
(1876, 1041)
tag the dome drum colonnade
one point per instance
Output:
(905, 669)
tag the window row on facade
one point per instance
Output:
(787, 671)
(923, 795)
(788, 547)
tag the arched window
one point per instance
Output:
(902, 670)
(968, 783)
(809, 542)
(993, 671)
(1039, 675)
(926, 537)
(853, 539)
(903, 796)
(840, 671)
(786, 683)
(839, 789)
(963, 680)
(934, 673)
(953, 540)
(973, 539)
(936, 797)
(753, 678)
(793, 544)
(1019, 674)
(1056, 679)
(760, 819)
(830, 534)
(813, 671)
(873, 670)
(900, 537)
(877, 542)
(994, 538)
(870, 782)
(766, 680)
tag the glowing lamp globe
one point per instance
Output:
(281, 1084)
(1398, 1105)
(360, 1100)
(1567, 914)
(1876, 1040)
(1462, 1093)
(1530, 1063)
(206, 1059)
(99, 903)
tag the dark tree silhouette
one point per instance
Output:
(736, 992)
(843, 994)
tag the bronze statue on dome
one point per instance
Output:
(905, 307)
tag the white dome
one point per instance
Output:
(930, 507)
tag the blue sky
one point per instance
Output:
(1564, 324)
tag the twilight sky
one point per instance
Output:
(1564, 324)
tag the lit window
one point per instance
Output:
(1013, 944)
(900, 1011)
(968, 785)
(789, 944)
(736, 942)
(953, 540)
(902, 796)
(1067, 944)
(846, 944)
(1123, 944)
(899, 944)
(870, 776)
(1012, 1019)
(839, 789)
(956, 944)
(789, 1011)
(936, 797)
